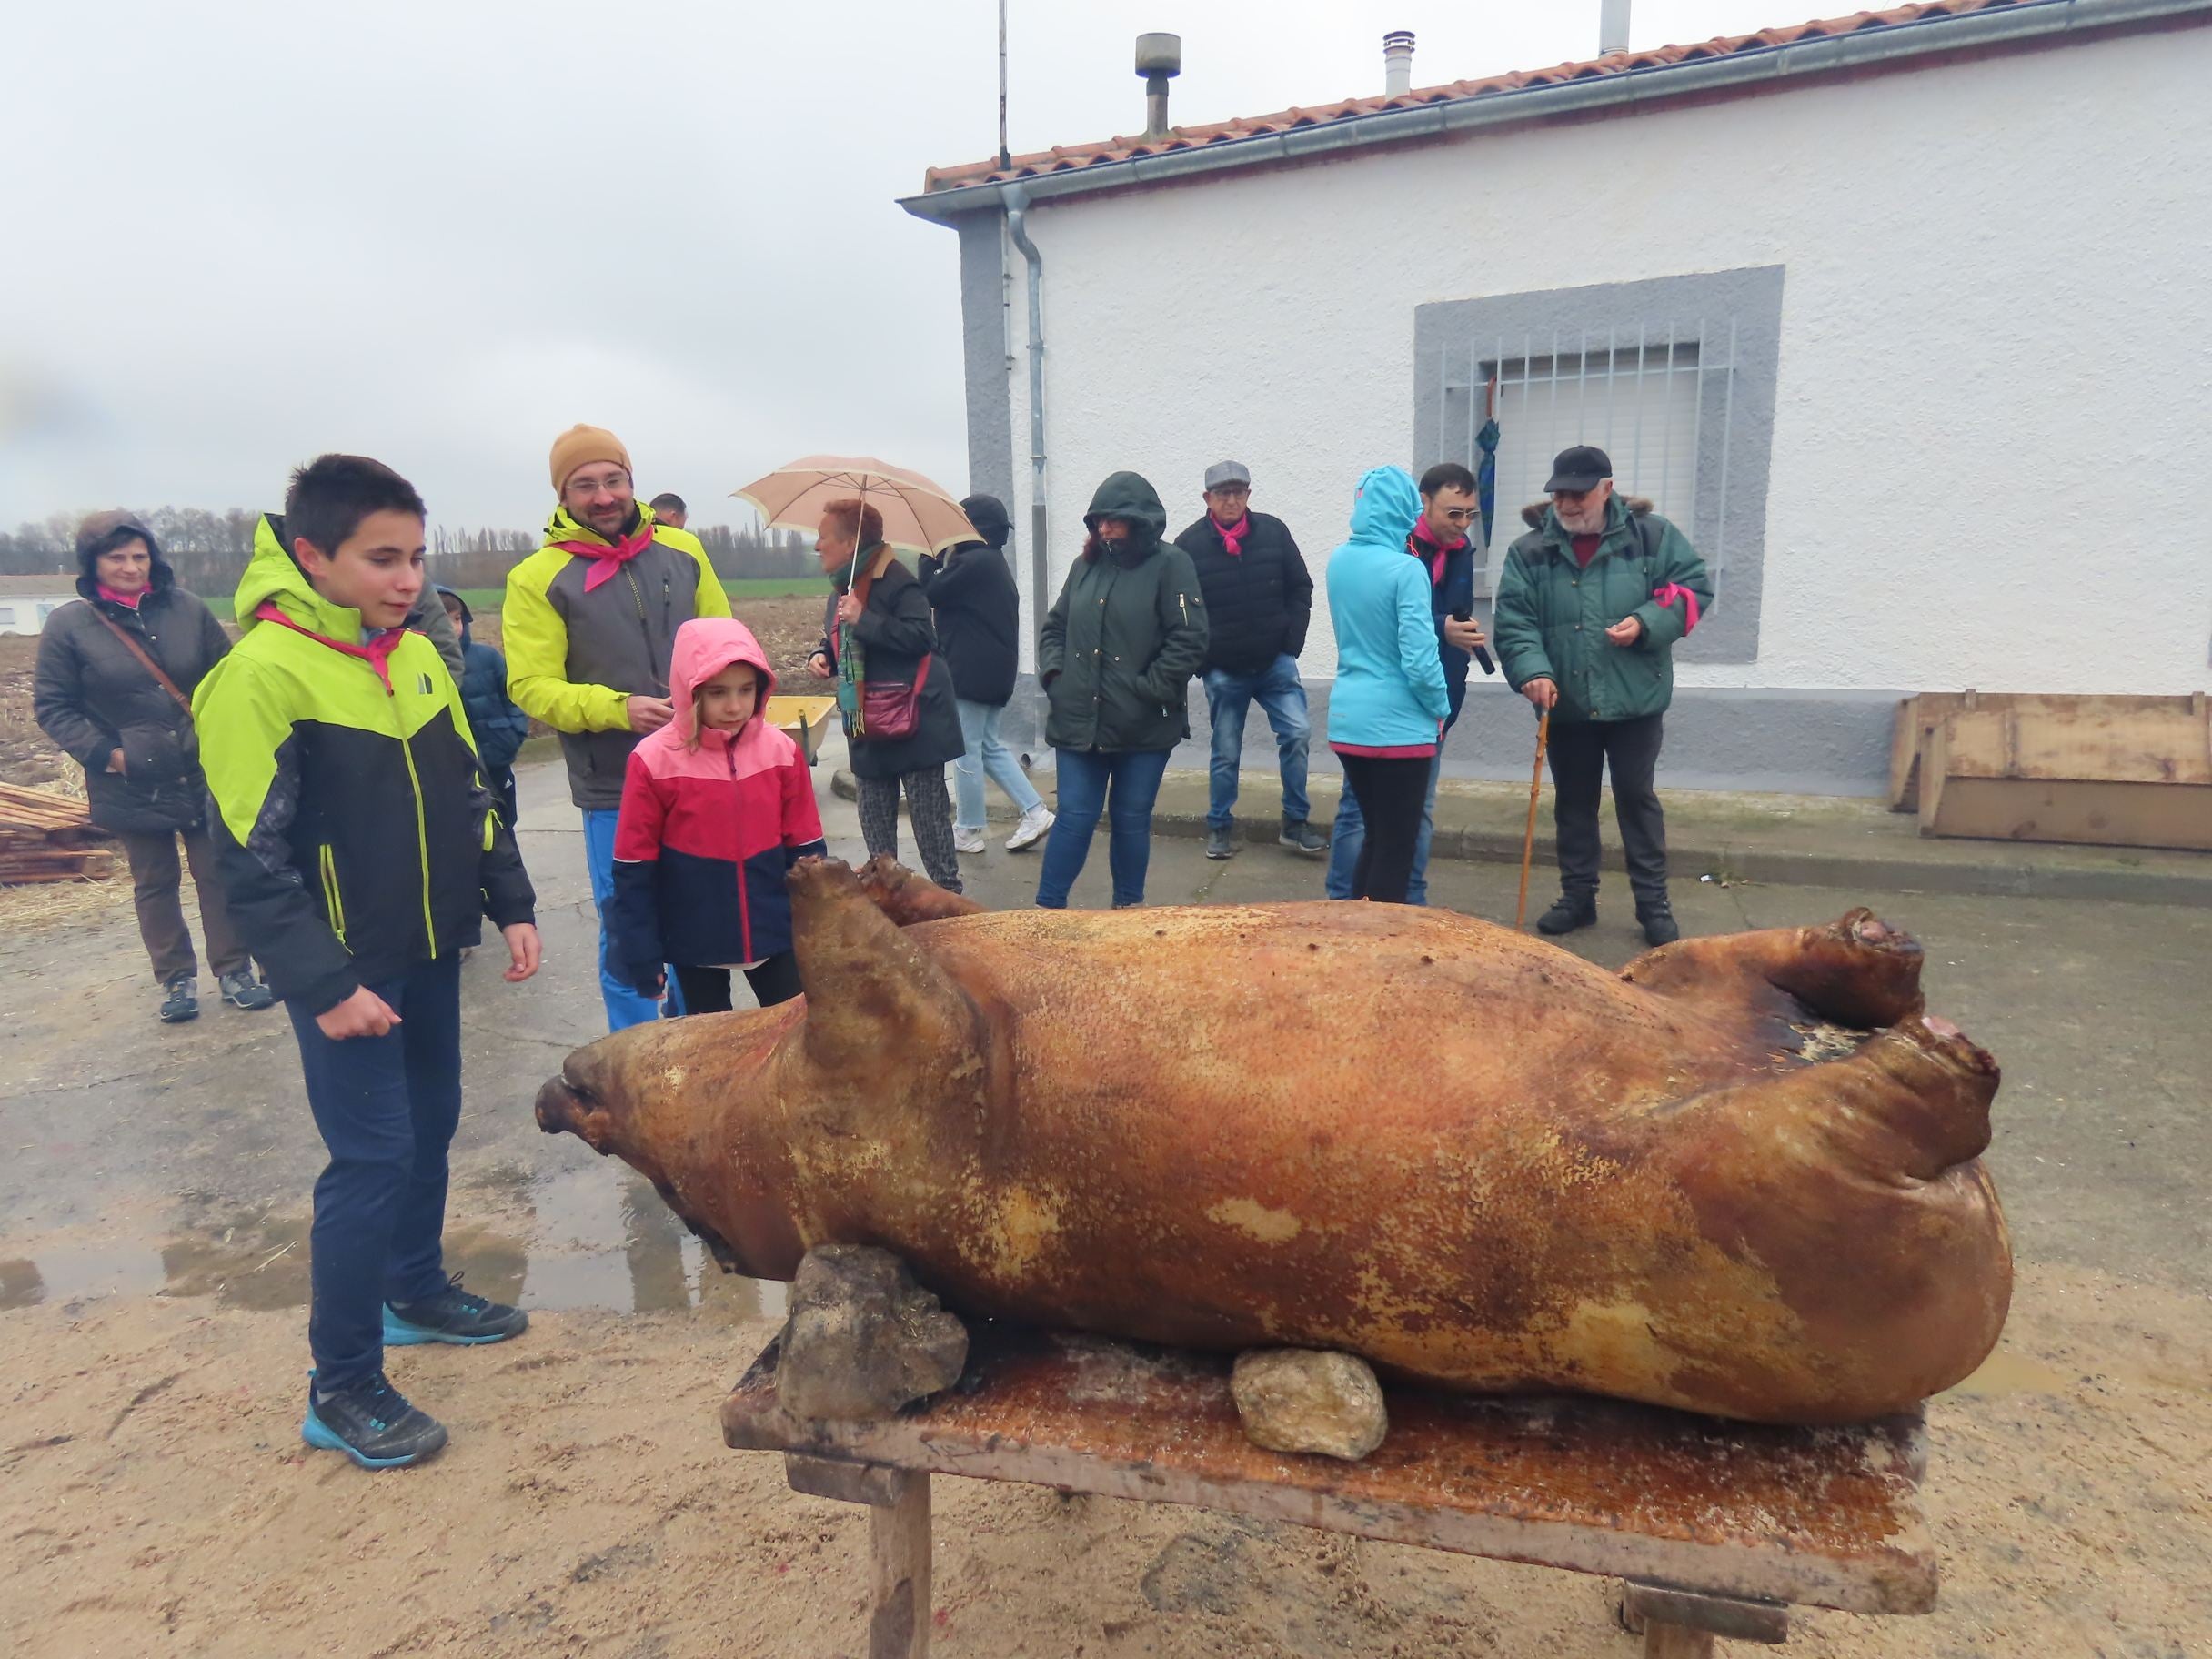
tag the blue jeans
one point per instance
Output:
(386, 1108)
(626, 1006)
(1089, 782)
(986, 757)
(1351, 833)
(1282, 698)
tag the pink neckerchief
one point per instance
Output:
(129, 601)
(377, 653)
(1232, 535)
(1434, 560)
(608, 559)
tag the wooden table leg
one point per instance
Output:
(1664, 1641)
(1682, 1624)
(899, 1567)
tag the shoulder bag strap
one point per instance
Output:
(144, 661)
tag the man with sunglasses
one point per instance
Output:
(1590, 604)
(1440, 540)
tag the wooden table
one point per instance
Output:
(1717, 1527)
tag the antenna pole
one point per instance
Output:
(1005, 159)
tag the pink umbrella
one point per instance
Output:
(918, 515)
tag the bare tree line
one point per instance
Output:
(209, 550)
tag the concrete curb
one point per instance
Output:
(1996, 876)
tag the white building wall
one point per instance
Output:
(1996, 383)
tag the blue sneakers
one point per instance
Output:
(452, 1315)
(370, 1422)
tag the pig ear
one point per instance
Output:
(1857, 972)
(907, 897)
(874, 996)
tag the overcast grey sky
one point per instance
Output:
(439, 231)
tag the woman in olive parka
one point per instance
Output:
(1116, 658)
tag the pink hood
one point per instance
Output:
(705, 646)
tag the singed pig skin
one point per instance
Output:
(1740, 1176)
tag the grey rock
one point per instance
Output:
(863, 1338)
(843, 785)
(1309, 1400)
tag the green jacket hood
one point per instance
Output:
(1128, 495)
(273, 573)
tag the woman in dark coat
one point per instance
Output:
(106, 708)
(878, 643)
(1116, 655)
(978, 631)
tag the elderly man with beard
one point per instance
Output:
(590, 621)
(1590, 604)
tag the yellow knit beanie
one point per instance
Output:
(579, 446)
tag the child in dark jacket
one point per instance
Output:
(359, 853)
(717, 807)
(499, 727)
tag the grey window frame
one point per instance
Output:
(1739, 315)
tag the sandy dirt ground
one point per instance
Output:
(155, 1497)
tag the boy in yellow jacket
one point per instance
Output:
(360, 849)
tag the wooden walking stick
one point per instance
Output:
(1528, 842)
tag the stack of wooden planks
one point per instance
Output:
(46, 837)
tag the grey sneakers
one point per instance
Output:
(180, 1000)
(241, 990)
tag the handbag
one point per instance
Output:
(892, 709)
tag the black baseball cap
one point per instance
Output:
(1579, 468)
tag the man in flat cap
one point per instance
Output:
(1258, 599)
(1590, 604)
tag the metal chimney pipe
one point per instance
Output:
(1611, 26)
(1159, 61)
(1397, 63)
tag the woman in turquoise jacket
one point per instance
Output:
(1387, 709)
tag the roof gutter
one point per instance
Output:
(2036, 21)
(1016, 201)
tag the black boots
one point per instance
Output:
(1567, 914)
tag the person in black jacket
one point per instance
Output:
(95, 697)
(901, 728)
(1259, 600)
(978, 628)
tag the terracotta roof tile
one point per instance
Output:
(1063, 158)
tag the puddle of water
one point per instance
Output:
(583, 1242)
(2006, 1372)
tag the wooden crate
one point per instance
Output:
(2120, 771)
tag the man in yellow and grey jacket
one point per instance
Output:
(590, 623)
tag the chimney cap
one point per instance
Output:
(1159, 54)
(1397, 37)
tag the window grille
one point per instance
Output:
(1658, 400)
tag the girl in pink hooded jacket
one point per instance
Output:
(717, 805)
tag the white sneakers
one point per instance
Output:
(1027, 833)
(1031, 829)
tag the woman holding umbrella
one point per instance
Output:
(878, 644)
